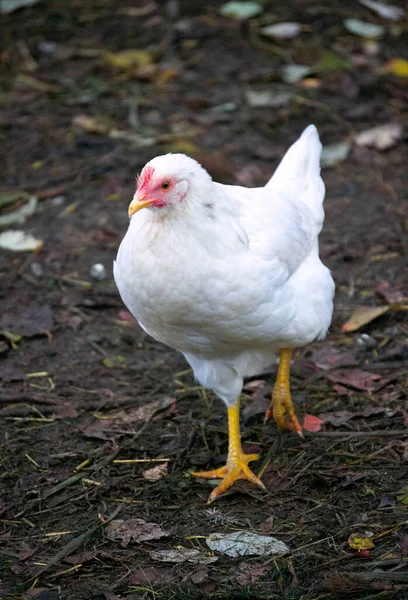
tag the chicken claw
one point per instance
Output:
(235, 470)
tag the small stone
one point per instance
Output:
(98, 271)
(36, 269)
(366, 341)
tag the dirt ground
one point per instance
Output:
(83, 389)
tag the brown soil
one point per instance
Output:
(73, 387)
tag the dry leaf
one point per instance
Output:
(358, 379)
(335, 153)
(381, 137)
(241, 10)
(249, 573)
(8, 6)
(19, 241)
(128, 59)
(386, 11)
(282, 31)
(144, 412)
(29, 321)
(271, 98)
(363, 316)
(90, 124)
(359, 542)
(390, 295)
(21, 214)
(245, 543)
(312, 423)
(156, 473)
(134, 530)
(180, 555)
(364, 29)
(338, 418)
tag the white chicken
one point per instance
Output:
(230, 277)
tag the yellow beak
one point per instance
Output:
(138, 203)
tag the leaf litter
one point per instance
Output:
(181, 555)
(360, 212)
(134, 531)
(245, 543)
(19, 241)
(381, 137)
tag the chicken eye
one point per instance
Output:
(165, 185)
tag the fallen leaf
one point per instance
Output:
(337, 418)
(402, 495)
(358, 379)
(363, 316)
(364, 29)
(144, 412)
(8, 6)
(96, 429)
(128, 59)
(245, 543)
(91, 124)
(328, 357)
(199, 575)
(397, 66)
(19, 241)
(248, 573)
(9, 373)
(268, 98)
(386, 501)
(76, 559)
(28, 322)
(333, 154)
(21, 214)
(294, 73)
(381, 137)
(386, 11)
(113, 362)
(156, 473)
(389, 294)
(134, 531)
(404, 546)
(286, 30)
(241, 10)
(67, 410)
(26, 553)
(359, 542)
(150, 575)
(181, 555)
(312, 423)
(42, 594)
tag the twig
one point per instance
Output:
(75, 543)
(376, 433)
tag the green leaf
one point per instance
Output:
(402, 495)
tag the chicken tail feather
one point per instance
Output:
(298, 174)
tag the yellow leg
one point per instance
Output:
(237, 462)
(281, 408)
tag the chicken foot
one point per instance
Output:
(281, 408)
(237, 462)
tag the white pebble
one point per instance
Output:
(98, 271)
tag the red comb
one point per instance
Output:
(144, 178)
